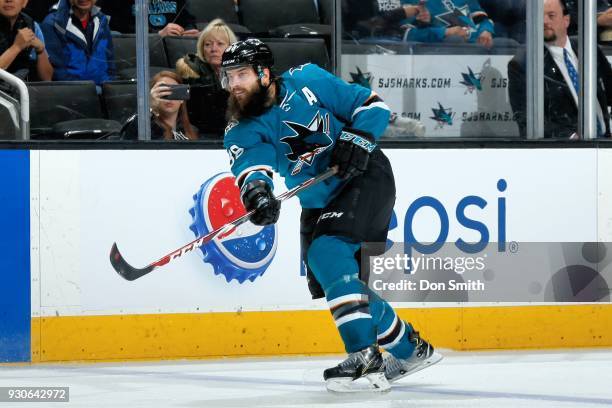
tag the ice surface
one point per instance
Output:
(482, 379)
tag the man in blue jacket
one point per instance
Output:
(79, 42)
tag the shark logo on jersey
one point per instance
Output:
(308, 141)
(456, 16)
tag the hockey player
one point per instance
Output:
(300, 124)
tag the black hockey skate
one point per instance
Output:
(367, 363)
(423, 356)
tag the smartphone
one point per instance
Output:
(180, 92)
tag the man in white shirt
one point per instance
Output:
(561, 79)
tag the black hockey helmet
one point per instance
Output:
(251, 52)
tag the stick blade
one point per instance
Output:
(124, 269)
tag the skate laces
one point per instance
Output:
(393, 365)
(352, 358)
(356, 358)
(396, 366)
(421, 347)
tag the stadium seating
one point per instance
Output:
(290, 52)
(125, 55)
(177, 47)
(7, 126)
(326, 11)
(72, 101)
(282, 18)
(76, 107)
(208, 10)
(120, 99)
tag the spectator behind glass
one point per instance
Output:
(169, 119)
(22, 43)
(434, 20)
(454, 20)
(208, 101)
(561, 79)
(39, 9)
(378, 18)
(510, 18)
(166, 17)
(604, 21)
(79, 42)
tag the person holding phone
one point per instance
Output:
(169, 119)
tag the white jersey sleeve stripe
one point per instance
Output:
(389, 330)
(266, 170)
(379, 104)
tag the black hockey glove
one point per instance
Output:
(257, 195)
(352, 152)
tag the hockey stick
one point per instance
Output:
(130, 273)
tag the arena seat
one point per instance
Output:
(208, 10)
(282, 18)
(61, 105)
(125, 55)
(7, 126)
(291, 52)
(177, 47)
(120, 99)
(326, 11)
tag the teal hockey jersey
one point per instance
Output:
(295, 137)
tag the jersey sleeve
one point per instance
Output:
(480, 18)
(251, 157)
(425, 34)
(350, 103)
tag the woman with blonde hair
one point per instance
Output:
(208, 101)
(169, 119)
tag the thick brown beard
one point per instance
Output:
(257, 104)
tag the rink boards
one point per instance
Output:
(62, 210)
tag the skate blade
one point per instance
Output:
(433, 359)
(377, 383)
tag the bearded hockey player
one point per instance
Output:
(298, 125)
